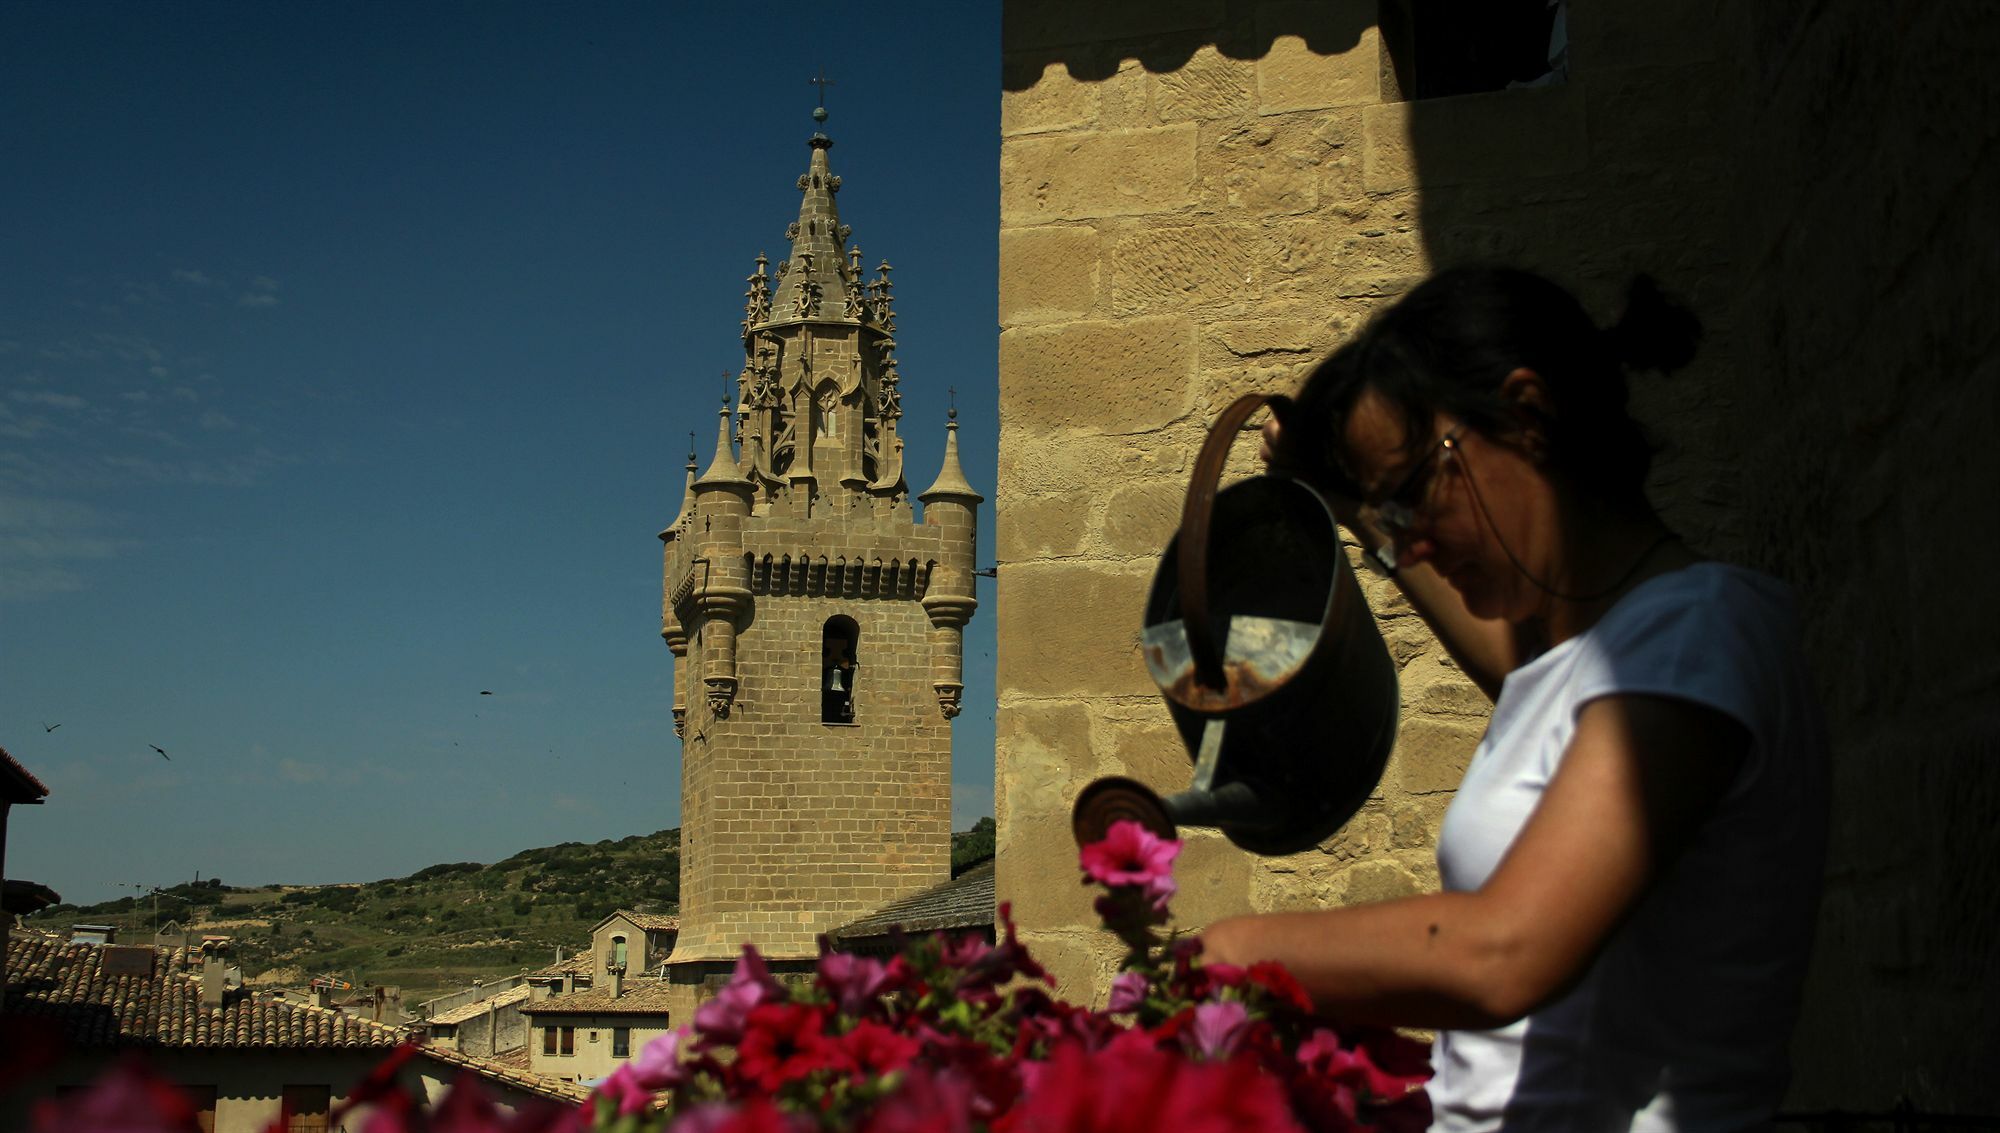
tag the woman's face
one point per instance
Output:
(1467, 498)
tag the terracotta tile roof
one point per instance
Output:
(642, 997)
(966, 901)
(579, 964)
(137, 1003)
(503, 1071)
(654, 922)
(480, 1007)
(17, 784)
(649, 922)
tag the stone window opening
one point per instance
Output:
(616, 961)
(621, 1042)
(568, 1040)
(839, 639)
(1439, 50)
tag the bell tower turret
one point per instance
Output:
(817, 620)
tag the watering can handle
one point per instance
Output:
(1195, 515)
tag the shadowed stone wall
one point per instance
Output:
(1203, 197)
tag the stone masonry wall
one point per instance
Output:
(1203, 197)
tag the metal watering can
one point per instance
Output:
(1270, 663)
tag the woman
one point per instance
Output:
(1632, 864)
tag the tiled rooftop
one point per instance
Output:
(503, 1071)
(17, 784)
(642, 997)
(480, 1007)
(966, 901)
(68, 984)
(652, 922)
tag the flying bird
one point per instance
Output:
(162, 751)
(48, 727)
(485, 692)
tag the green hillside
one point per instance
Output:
(436, 930)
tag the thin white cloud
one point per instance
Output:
(50, 398)
(295, 771)
(194, 277)
(43, 539)
(216, 422)
(263, 293)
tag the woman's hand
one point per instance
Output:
(1231, 941)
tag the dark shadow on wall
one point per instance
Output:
(1817, 178)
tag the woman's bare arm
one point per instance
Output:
(1640, 775)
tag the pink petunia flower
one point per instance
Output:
(1218, 1028)
(1128, 993)
(721, 1019)
(1130, 854)
(659, 1065)
(854, 981)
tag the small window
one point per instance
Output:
(548, 1040)
(617, 954)
(621, 1042)
(306, 1108)
(839, 640)
(569, 1040)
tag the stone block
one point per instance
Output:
(1038, 460)
(1321, 54)
(1431, 755)
(1145, 747)
(1082, 962)
(1038, 873)
(1158, 269)
(1140, 517)
(1056, 102)
(1045, 177)
(1214, 879)
(1496, 138)
(1125, 377)
(1269, 169)
(1047, 274)
(1369, 882)
(1071, 630)
(1042, 753)
(1209, 86)
(1041, 527)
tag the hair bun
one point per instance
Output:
(1655, 332)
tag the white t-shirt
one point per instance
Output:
(1684, 1019)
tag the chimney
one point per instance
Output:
(322, 996)
(538, 991)
(214, 976)
(617, 982)
(569, 982)
(381, 997)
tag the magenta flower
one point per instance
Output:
(1217, 1029)
(1130, 854)
(659, 1065)
(1128, 993)
(853, 981)
(721, 1019)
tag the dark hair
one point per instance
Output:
(1447, 346)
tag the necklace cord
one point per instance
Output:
(1544, 587)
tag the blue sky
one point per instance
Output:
(348, 356)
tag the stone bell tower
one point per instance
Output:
(814, 623)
